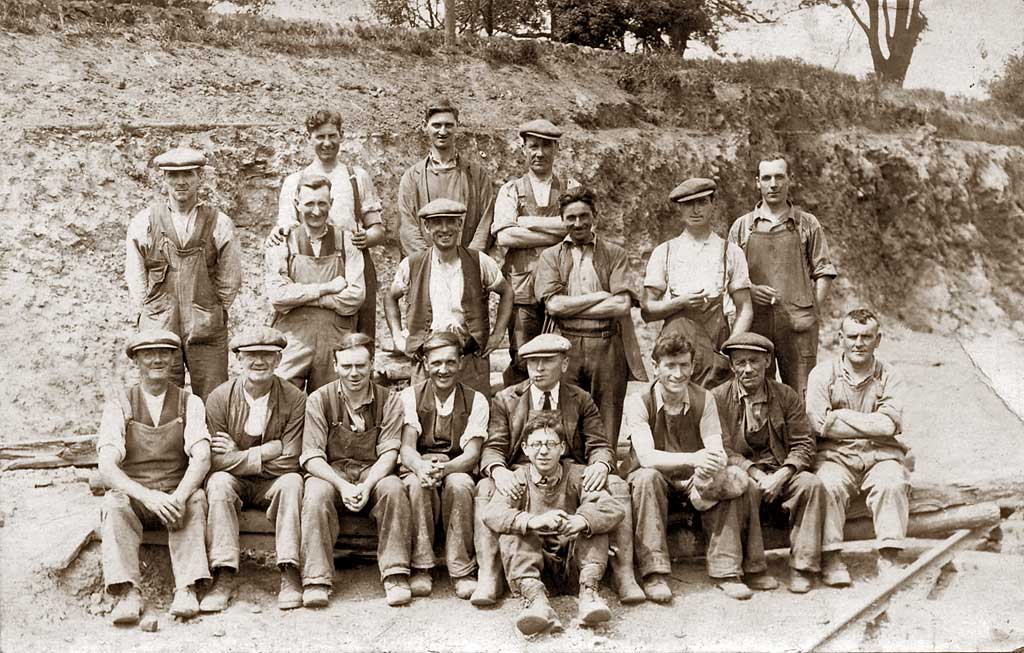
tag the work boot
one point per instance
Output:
(887, 563)
(290, 595)
(761, 581)
(656, 588)
(800, 582)
(396, 589)
(420, 583)
(734, 588)
(488, 559)
(315, 596)
(536, 615)
(464, 586)
(630, 593)
(219, 594)
(592, 609)
(833, 570)
(128, 609)
(185, 604)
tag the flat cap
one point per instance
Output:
(442, 208)
(749, 340)
(541, 129)
(151, 339)
(261, 338)
(691, 189)
(180, 158)
(546, 344)
(440, 104)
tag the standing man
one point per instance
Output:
(855, 406)
(183, 266)
(555, 528)
(256, 420)
(677, 451)
(355, 207)
(583, 283)
(445, 429)
(527, 221)
(447, 288)
(586, 443)
(154, 452)
(444, 173)
(350, 444)
(790, 272)
(768, 436)
(314, 281)
(690, 276)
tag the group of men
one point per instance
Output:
(527, 486)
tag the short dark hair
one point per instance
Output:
(671, 344)
(354, 340)
(860, 316)
(323, 117)
(314, 181)
(771, 156)
(577, 194)
(549, 420)
(440, 105)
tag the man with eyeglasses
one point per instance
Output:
(586, 443)
(689, 278)
(556, 528)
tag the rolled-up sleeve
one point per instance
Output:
(136, 242)
(111, 432)
(409, 232)
(314, 430)
(368, 199)
(547, 281)
(656, 267)
(711, 425)
(390, 437)
(228, 276)
(738, 272)
(620, 279)
(506, 208)
(817, 248)
(400, 284)
(635, 420)
(195, 423)
(490, 273)
(286, 215)
(476, 425)
(409, 410)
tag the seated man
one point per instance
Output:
(586, 443)
(256, 420)
(350, 444)
(154, 452)
(445, 428)
(677, 450)
(555, 527)
(768, 436)
(855, 406)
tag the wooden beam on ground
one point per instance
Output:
(936, 556)
(78, 450)
(72, 535)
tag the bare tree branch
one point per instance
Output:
(856, 17)
(889, 35)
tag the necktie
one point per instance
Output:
(547, 401)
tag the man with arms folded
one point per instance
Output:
(256, 420)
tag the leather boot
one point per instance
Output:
(630, 593)
(290, 595)
(489, 583)
(129, 608)
(592, 608)
(536, 615)
(220, 592)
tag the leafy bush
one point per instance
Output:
(1008, 87)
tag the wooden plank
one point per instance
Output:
(71, 535)
(79, 450)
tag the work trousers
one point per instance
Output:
(389, 508)
(122, 522)
(281, 497)
(207, 365)
(526, 324)
(803, 500)
(452, 504)
(522, 556)
(309, 368)
(476, 373)
(887, 484)
(732, 528)
(796, 352)
(599, 366)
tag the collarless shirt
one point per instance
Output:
(541, 188)
(476, 423)
(112, 433)
(537, 397)
(259, 412)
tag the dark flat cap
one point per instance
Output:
(749, 340)
(440, 104)
(691, 189)
(261, 338)
(180, 158)
(152, 339)
(442, 208)
(546, 344)
(541, 129)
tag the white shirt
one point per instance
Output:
(635, 418)
(694, 265)
(342, 202)
(446, 287)
(506, 202)
(259, 413)
(537, 397)
(476, 424)
(111, 431)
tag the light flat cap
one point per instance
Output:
(541, 129)
(442, 208)
(180, 158)
(152, 339)
(440, 104)
(691, 189)
(261, 338)
(749, 340)
(546, 344)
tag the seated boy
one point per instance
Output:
(555, 530)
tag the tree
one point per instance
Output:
(1008, 87)
(653, 22)
(899, 22)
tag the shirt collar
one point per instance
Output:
(847, 371)
(313, 238)
(761, 212)
(659, 400)
(572, 243)
(537, 180)
(434, 164)
(444, 407)
(759, 396)
(253, 402)
(359, 406)
(550, 480)
(537, 396)
(191, 212)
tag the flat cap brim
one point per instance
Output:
(694, 196)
